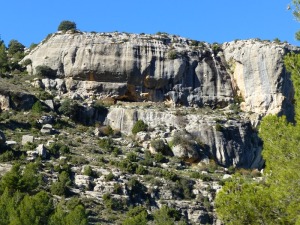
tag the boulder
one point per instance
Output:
(47, 129)
(10, 143)
(46, 120)
(41, 151)
(27, 138)
(50, 103)
(82, 181)
(142, 136)
(187, 153)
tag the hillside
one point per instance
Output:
(141, 120)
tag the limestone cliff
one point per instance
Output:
(234, 143)
(159, 67)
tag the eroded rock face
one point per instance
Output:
(234, 143)
(258, 75)
(159, 67)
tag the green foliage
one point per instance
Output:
(14, 47)
(35, 210)
(219, 127)
(140, 125)
(109, 177)
(172, 55)
(77, 216)
(3, 59)
(132, 157)
(38, 107)
(45, 71)
(32, 46)
(160, 146)
(27, 62)
(194, 43)
(136, 216)
(66, 25)
(137, 191)
(57, 148)
(18, 180)
(7, 156)
(61, 187)
(69, 108)
(216, 48)
(106, 144)
(166, 216)
(88, 171)
(111, 203)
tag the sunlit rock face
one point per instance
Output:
(246, 74)
(164, 67)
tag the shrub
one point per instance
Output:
(27, 62)
(66, 25)
(69, 108)
(194, 43)
(111, 203)
(44, 71)
(7, 156)
(106, 144)
(141, 170)
(88, 171)
(38, 107)
(55, 149)
(140, 125)
(160, 146)
(159, 157)
(216, 48)
(109, 177)
(166, 216)
(172, 54)
(219, 127)
(132, 157)
(14, 47)
(136, 216)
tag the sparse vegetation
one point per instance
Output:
(140, 125)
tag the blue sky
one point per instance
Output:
(205, 20)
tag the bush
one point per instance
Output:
(66, 25)
(160, 146)
(219, 127)
(136, 216)
(140, 125)
(69, 108)
(109, 177)
(172, 54)
(88, 171)
(27, 62)
(166, 216)
(106, 144)
(44, 71)
(132, 157)
(38, 107)
(55, 149)
(14, 47)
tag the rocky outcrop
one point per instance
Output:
(164, 67)
(14, 97)
(228, 141)
(259, 76)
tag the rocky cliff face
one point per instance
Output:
(228, 141)
(248, 74)
(159, 67)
